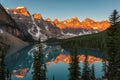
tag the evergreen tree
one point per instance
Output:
(86, 70)
(39, 66)
(117, 57)
(114, 17)
(53, 78)
(4, 73)
(2, 65)
(104, 68)
(74, 69)
(44, 71)
(93, 73)
(113, 43)
(8, 75)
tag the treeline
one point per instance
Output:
(93, 41)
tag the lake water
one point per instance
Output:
(57, 59)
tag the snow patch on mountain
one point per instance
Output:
(86, 32)
(32, 51)
(35, 30)
(20, 7)
(1, 31)
(7, 10)
(46, 27)
(73, 34)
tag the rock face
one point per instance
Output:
(20, 10)
(69, 23)
(32, 27)
(9, 25)
(73, 27)
(86, 24)
(37, 16)
(101, 25)
(9, 31)
(25, 23)
(35, 26)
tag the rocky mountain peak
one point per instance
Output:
(48, 19)
(37, 16)
(87, 23)
(72, 20)
(75, 18)
(88, 20)
(56, 21)
(20, 10)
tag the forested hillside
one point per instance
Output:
(93, 41)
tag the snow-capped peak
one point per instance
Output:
(20, 7)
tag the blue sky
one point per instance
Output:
(63, 9)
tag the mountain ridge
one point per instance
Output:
(33, 26)
(73, 22)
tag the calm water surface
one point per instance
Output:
(20, 62)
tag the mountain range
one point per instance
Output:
(19, 23)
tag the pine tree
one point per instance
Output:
(86, 69)
(44, 71)
(39, 66)
(117, 57)
(2, 65)
(8, 74)
(74, 69)
(113, 43)
(114, 17)
(104, 68)
(93, 73)
(53, 78)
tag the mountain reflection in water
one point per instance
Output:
(56, 58)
